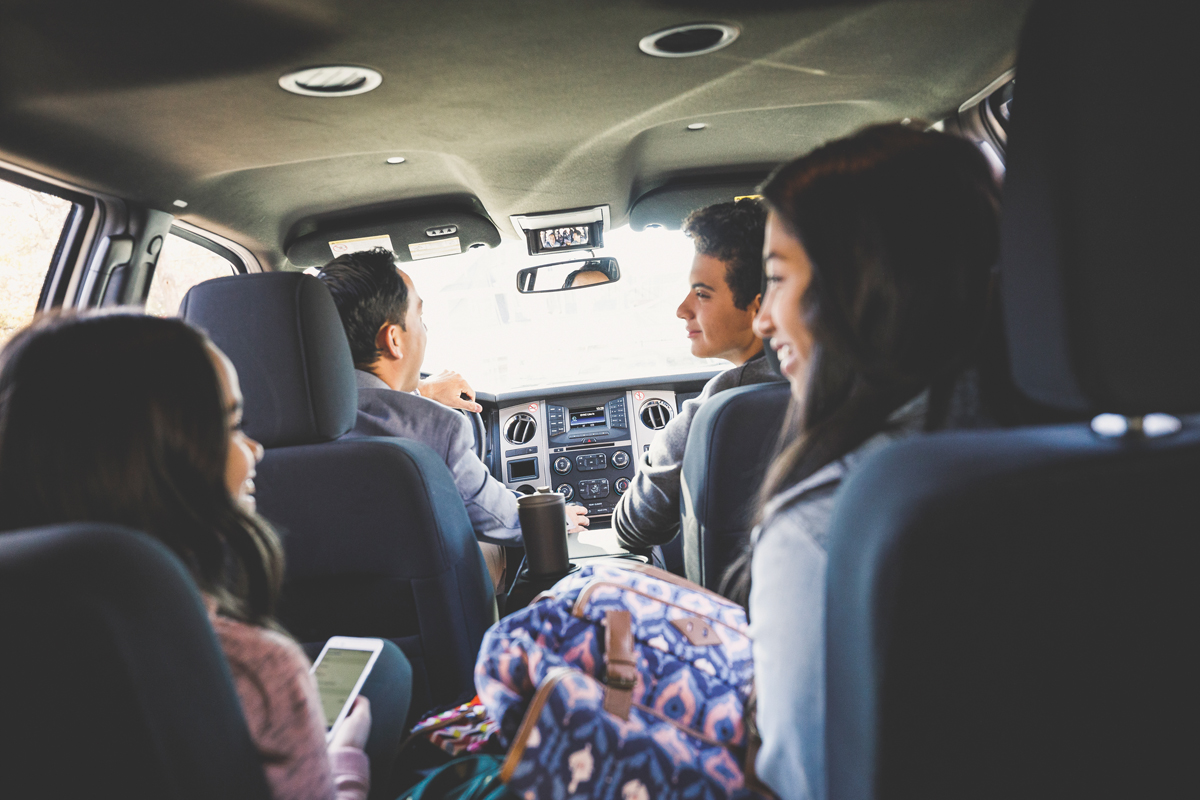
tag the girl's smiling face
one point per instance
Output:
(781, 319)
(244, 452)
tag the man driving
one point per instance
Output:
(724, 293)
(381, 312)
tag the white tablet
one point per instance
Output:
(341, 671)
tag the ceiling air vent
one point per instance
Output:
(683, 41)
(331, 81)
(655, 414)
(520, 428)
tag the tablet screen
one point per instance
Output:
(336, 676)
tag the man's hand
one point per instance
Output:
(448, 389)
(355, 728)
(577, 518)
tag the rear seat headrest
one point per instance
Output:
(1100, 275)
(283, 333)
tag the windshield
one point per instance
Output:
(501, 340)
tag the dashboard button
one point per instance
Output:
(562, 465)
(622, 485)
(594, 489)
(620, 459)
(566, 490)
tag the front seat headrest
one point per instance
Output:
(1100, 279)
(283, 333)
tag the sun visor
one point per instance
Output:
(669, 204)
(413, 234)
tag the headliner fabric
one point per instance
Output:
(283, 333)
(531, 107)
(1100, 278)
(114, 683)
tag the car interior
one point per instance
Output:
(1006, 609)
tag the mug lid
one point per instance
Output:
(541, 499)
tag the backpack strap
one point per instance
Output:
(620, 663)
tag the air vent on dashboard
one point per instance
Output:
(655, 414)
(520, 428)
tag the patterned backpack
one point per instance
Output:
(622, 683)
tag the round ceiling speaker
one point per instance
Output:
(684, 41)
(331, 81)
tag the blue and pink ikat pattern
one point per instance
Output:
(684, 736)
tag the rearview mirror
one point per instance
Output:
(568, 275)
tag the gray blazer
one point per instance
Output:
(648, 514)
(383, 411)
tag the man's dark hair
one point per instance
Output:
(733, 233)
(589, 267)
(369, 293)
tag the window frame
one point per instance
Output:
(975, 120)
(242, 259)
(74, 239)
(239, 258)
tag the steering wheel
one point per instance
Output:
(480, 432)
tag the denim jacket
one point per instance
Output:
(787, 618)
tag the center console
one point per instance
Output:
(586, 446)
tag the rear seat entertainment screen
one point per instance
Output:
(557, 238)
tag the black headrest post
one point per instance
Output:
(282, 332)
(1099, 270)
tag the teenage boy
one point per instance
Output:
(725, 290)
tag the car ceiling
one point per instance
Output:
(530, 107)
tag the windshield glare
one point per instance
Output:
(501, 340)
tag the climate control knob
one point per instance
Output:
(562, 465)
(620, 459)
(567, 491)
(622, 485)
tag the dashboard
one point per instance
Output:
(586, 442)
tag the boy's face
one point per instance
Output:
(716, 327)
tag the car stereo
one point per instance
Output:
(587, 420)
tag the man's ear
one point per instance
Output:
(388, 342)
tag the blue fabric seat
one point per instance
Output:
(377, 540)
(114, 683)
(1013, 613)
(728, 450)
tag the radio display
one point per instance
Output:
(587, 417)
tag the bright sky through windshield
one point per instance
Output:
(501, 340)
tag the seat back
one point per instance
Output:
(114, 683)
(728, 449)
(1012, 614)
(377, 539)
(379, 544)
(1009, 613)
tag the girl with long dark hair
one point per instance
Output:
(878, 258)
(135, 420)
